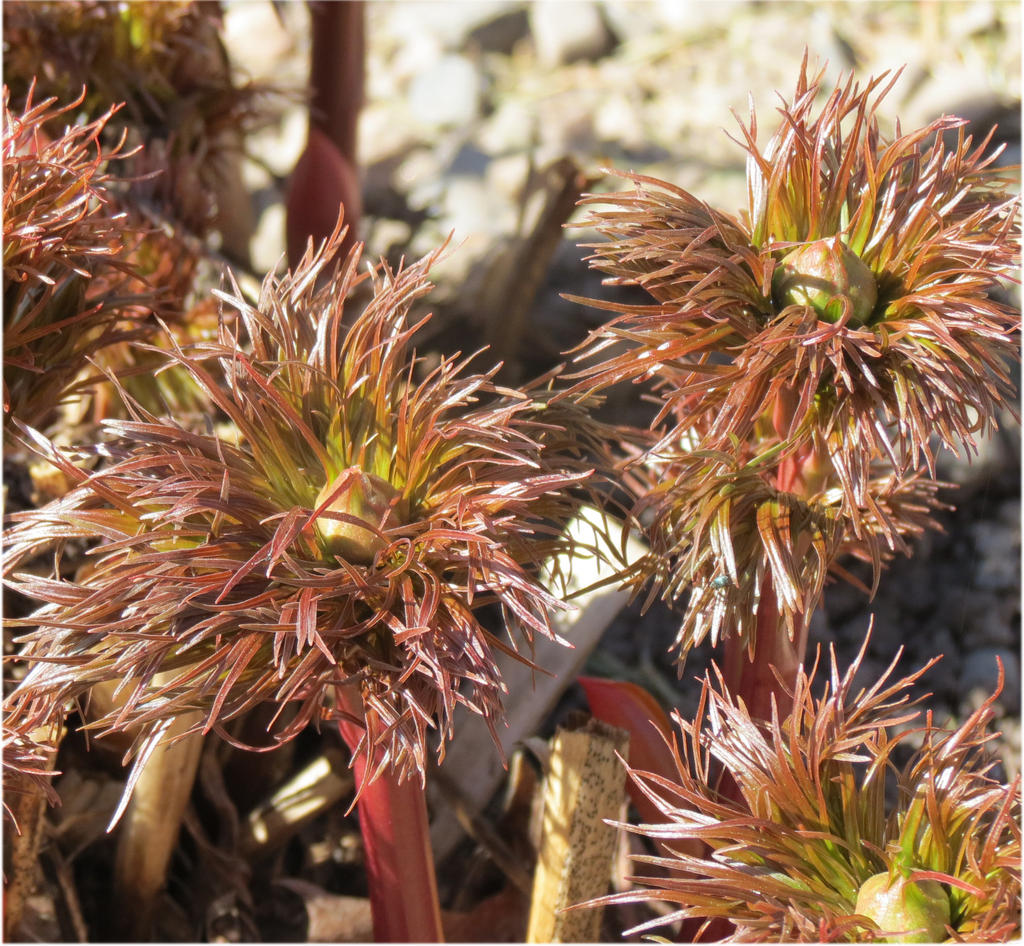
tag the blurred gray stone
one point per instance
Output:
(1009, 514)
(979, 675)
(628, 19)
(266, 248)
(868, 673)
(819, 631)
(256, 37)
(469, 160)
(995, 622)
(973, 472)
(385, 130)
(843, 601)
(451, 23)
(565, 126)
(508, 175)
(447, 93)
(917, 584)
(997, 543)
(565, 32)
(886, 625)
(419, 176)
(459, 23)
(386, 237)
(942, 678)
(413, 51)
(500, 33)
(618, 120)
(510, 128)
(1010, 745)
(470, 207)
(692, 17)
(941, 642)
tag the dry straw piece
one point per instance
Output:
(585, 785)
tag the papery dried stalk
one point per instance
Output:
(584, 784)
(148, 832)
(28, 768)
(313, 790)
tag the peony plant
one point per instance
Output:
(352, 533)
(831, 837)
(334, 554)
(809, 356)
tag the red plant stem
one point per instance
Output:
(753, 678)
(396, 840)
(771, 669)
(326, 177)
(337, 71)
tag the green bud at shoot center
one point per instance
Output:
(921, 908)
(362, 496)
(823, 275)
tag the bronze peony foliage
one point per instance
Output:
(27, 770)
(809, 353)
(167, 64)
(350, 531)
(70, 288)
(809, 849)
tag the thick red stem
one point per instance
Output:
(337, 72)
(326, 176)
(752, 678)
(396, 840)
(770, 670)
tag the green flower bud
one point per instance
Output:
(920, 906)
(365, 497)
(822, 274)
